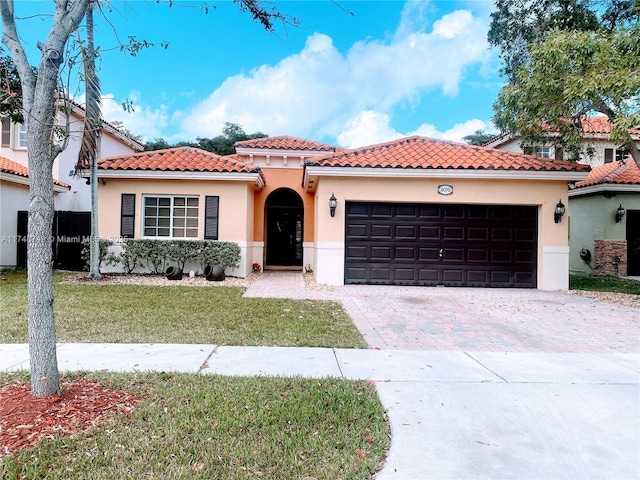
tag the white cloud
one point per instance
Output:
(144, 121)
(367, 128)
(322, 92)
(370, 127)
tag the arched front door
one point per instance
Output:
(284, 212)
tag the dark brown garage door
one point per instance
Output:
(452, 245)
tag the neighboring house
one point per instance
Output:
(14, 196)
(595, 134)
(590, 206)
(414, 211)
(605, 221)
(77, 195)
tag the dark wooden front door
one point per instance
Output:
(431, 244)
(284, 221)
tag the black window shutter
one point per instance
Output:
(559, 153)
(211, 208)
(608, 155)
(6, 132)
(127, 215)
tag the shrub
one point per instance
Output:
(182, 251)
(153, 254)
(105, 257)
(225, 254)
(131, 255)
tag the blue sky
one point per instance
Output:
(388, 70)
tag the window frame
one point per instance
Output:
(172, 216)
(621, 154)
(20, 136)
(538, 150)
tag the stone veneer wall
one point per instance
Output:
(605, 253)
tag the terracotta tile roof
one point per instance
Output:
(590, 125)
(625, 172)
(600, 124)
(182, 159)
(15, 168)
(427, 153)
(286, 143)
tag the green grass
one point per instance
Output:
(212, 427)
(87, 312)
(604, 284)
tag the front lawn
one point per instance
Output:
(91, 312)
(213, 427)
(604, 284)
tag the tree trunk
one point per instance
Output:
(42, 334)
(90, 136)
(633, 150)
(94, 243)
(39, 100)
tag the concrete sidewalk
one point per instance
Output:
(453, 414)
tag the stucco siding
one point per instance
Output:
(13, 197)
(276, 178)
(593, 151)
(78, 198)
(329, 261)
(235, 204)
(592, 217)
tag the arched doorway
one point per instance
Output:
(284, 221)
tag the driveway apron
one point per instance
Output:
(496, 383)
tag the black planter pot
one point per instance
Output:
(215, 273)
(173, 273)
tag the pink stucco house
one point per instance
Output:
(413, 211)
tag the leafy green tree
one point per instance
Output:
(224, 144)
(120, 126)
(39, 93)
(157, 144)
(516, 25)
(571, 74)
(479, 137)
(221, 145)
(10, 90)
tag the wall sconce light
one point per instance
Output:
(559, 212)
(333, 203)
(620, 213)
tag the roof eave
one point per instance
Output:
(22, 180)
(605, 188)
(245, 151)
(254, 177)
(313, 173)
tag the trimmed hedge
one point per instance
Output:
(154, 255)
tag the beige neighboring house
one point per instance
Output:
(414, 211)
(74, 197)
(596, 131)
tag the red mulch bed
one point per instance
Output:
(25, 419)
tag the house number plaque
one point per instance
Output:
(445, 189)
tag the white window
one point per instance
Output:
(170, 216)
(618, 153)
(20, 140)
(621, 154)
(539, 151)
